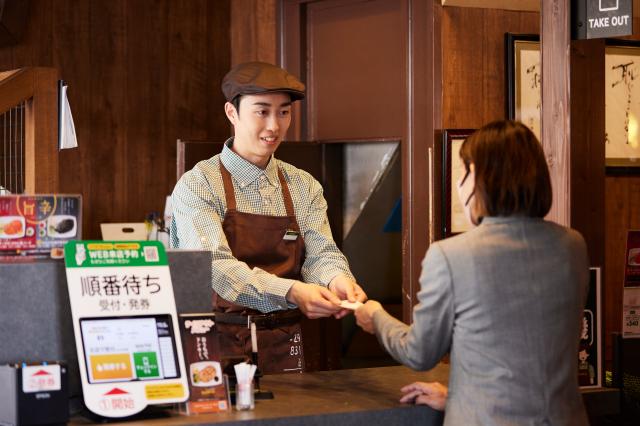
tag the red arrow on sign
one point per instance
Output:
(116, 391)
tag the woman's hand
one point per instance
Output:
(432, 394)
(364, 315)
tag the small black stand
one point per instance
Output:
(259, 393)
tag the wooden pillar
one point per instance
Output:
(573, 125)
(555, 36)
(573, 122)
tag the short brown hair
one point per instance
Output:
(511, 174)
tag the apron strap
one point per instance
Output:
(229, 193)
(286, 195)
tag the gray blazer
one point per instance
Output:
(506, 300)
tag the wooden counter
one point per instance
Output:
(333, 398)
(367, 396)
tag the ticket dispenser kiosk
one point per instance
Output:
(125, 326)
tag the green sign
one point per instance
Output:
(85, 254)
(146, 365)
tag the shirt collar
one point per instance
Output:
(495, 220)
(245, 172)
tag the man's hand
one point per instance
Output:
(364, 315)
(313, 300)
(346, 289)
(432, 394)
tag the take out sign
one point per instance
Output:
(602, 18)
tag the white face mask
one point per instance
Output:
(466, 188)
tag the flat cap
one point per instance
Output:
(252, 78)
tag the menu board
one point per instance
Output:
(632, 260)
(207, 384)
(631, 290)
(38, 225)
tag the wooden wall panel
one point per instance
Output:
(218, 63)
(253, 31)
(622, 212)
(587, 172)
(616, 223)
(473, 62)
(353, 81)
(530, 5)
(146, 73)
(141, 74)
(462, 54)
(73, 56)
(105, 195)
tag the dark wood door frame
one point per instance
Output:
(424, 106)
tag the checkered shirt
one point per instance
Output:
(199, 207)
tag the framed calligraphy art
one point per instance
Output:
(622, 106)
(622, 96)
(524, 78)
(454, 220)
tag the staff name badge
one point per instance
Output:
(125, 326)
(291, 235)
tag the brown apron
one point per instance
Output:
(258, 240)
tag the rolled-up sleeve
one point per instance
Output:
(422, 345)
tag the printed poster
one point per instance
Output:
(589, 352)
(632, 260)
(631, 313)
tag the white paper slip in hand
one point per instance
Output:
(350, 305)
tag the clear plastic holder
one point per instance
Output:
(244, 396)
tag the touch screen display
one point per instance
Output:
(130, 348)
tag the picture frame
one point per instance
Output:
(454, 220)
(523, 82)
(622, 107)
(622, 97)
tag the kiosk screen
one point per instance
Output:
(121, 349)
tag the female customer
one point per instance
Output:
(505, 298)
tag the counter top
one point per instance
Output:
(333, 398)
(344, 398)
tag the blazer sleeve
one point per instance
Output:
(422, 345)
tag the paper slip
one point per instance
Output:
(350, 305)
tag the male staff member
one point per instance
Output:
(265, 222)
